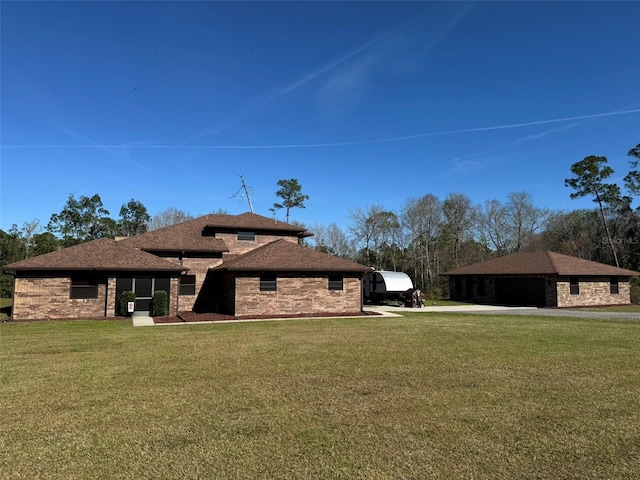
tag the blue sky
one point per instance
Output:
(363, 102)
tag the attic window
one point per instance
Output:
(613, 286)
(336, 282)
(84, 286)
(574, 285)
(268, 282)
(250, 236)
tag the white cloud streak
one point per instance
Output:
(342, 144)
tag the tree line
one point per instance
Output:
(85, 218)
(428, 236)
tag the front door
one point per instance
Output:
(143, 288)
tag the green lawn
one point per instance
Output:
(423, 396)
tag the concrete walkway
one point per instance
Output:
(142, 321)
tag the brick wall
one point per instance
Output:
(174, 299)
(297, 295)
(48, 298)
(593, 291)
(199, 268)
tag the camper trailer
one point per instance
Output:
(381, 286)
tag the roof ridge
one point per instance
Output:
(251, 253)
(551, 259)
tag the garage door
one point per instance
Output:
(526, 292)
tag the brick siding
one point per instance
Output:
(296, 295)
(593, 291)
(198, 267)
(48, 298)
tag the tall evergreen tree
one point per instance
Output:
(290, 193)
(589, 180)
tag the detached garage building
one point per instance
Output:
(541, 279)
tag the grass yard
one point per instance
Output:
(423, 396)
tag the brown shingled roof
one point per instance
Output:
(252, 221)
(284, 256)
(187, 236)
(103, 254)
(541, 263)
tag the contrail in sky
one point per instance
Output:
(341, 144)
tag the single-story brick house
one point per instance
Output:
(545, 279)
(86, 280)
(242, 265)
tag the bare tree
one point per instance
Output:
(332, 239)
(525, 218)
(494, 227)
(457, 227)
(28, 232)
(168, 217)
(422, 218)
(507, 228)
(373, 228)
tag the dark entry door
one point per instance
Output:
(527, 292)
(143, 287)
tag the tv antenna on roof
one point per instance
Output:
(246, 193)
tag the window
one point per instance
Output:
(613, 286)
(251, 236)
(574, 286)
(336, 282)
(187, 285)
(84, 286)
(268, 282)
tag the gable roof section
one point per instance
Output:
(252, 221)
(541, 263)
(103, 254)
(284, 256)
(182, 237)
(187, 236)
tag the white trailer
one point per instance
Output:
(379, 286)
